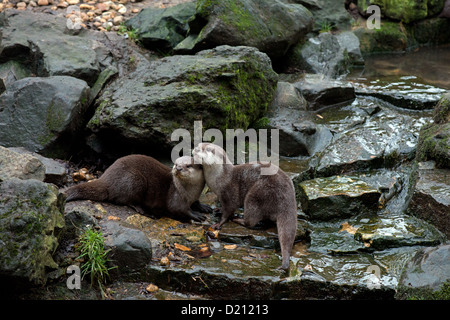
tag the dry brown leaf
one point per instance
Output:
(230, 246)
(151, 288)
(350, 229)
(181, 247)
(114, 218)
(164, 261)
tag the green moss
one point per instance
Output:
(434, 142)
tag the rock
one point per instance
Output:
(327, 54)
(446, 10)
(269, 25)
(382, 139)
(30, 221)
(21, 166)
(162, 28)
(78, 218)
(426, 275)
(298, 134)
(330, 12)
(337, 197)
(131, 250)
(349, 43)
(265, 238)
(166, 230)
(406, 11)
(408, 92)
(320, 91)
(441, 113)
(42, 111)
(10, 72)
(55, 171)
(395, 231)
(40, 39)
(430, 200)
(434, 139)
(391, 37)
(43, 2)
(226, 87)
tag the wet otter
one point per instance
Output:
(149, 186)
(263, 197)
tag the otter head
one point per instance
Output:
(210, 154)
(185, 169)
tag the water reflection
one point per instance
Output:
(431, 64)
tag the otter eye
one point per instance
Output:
(208, 149)
(188, 166)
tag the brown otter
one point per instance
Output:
(149, 186)
(264, 197)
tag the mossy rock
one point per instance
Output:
(434, 144)
(226, 87)
(391, 36)
(404, 10)
(31, 219)
(272, 26)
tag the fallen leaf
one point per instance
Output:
(319, 116)
(230, 246)
(350, 229)
(181, 247)
(164, 261)
(151, 288)
(114, 218)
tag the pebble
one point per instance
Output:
(21, 5)
(100, 14)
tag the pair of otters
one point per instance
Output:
(146, 184)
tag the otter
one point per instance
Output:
(147, 185)
(264, 197)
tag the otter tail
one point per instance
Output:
(94, 190)
(287, 229)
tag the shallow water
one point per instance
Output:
(431, 64)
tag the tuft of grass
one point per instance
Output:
(325, 27)
(94, 255)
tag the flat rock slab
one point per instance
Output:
(337, 197)
(408, 92)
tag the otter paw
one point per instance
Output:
(197, 216)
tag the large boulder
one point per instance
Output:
(30, 220)
(37, 113)
(327, 53)
(162, 29)
(272, 26)
(226, 87)
(39, 42)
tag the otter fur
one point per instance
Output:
(264, 197)
(147, 185)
